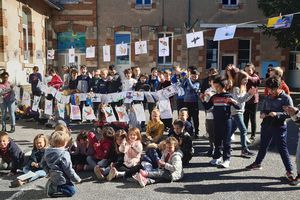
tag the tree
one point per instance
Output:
(286, 38)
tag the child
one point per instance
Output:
(153, 81)
(115, 157)
(188, 127)
(101, 149)
(184, 140)
(221, 103)
(80, 150)
(240, 93)
(152, 157)
(57, 163)
(274, 126)
(73, 81)
(155, 128)
(191, 87)
(132, 148)
(209, 120)
(170, 166)
(11, 155)
(128, 82)
(40, 143)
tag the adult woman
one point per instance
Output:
(7, 101)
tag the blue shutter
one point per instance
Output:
(138, 2)
(147, 2)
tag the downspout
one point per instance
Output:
(189, 25)
(163, 13)
(47, 43)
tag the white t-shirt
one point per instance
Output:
(127, 84)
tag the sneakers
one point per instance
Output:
(112, 174)
(252, 138)
(210, 152)
(143, 173)
(215, 162)
(232, 137)
(248, 140)
(289, 177)
(254, 166)
(225, 164)
(141, 179)
(99, 173)
(51, 189)
(296, 181)
(17, 183)
(246, 153)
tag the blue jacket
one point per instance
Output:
(13, 155)
(153, 83)
(36, 156)
(191, 90)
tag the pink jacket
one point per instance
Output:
(132, 152)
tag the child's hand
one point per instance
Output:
(34, 164)
(290, 110)
(262, 115)
(231, 100)
(79, 182)
(252, 91)
(161, 163)
(272, 114)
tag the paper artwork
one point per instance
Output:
(128, 97)
(75, 112)
(122, 114)
(39, 55)
(26, 99)
(138, 96)
(140, 47)
(106, 53)
(17, 93)
(90, 52)
(149, 97)
(165, 109)
(109, 114)
(48, 107)
(61, 110)
(163, 47)
(88, 113)
(96, 98)
(194, 39)
(50, 54)
(170, 91)
(72, 55)
(35, 103)
(139, 112)
(121, 49)
(225, 33)
(26, 176)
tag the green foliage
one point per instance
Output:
(286, 38)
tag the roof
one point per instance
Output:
(55, 4)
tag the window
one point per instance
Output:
(244, 53)
(119, 39)
(166, 60)
(230, 2)
(143, 3)
(25, 18)
(212, 54)
(294, 61)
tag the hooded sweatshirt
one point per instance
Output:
(174, 164)
(57, 163)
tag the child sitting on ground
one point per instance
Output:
(101, 149)
(80, 150)
(40, 143)
(11, 155)
(155, 128)
(115, 157)
(170, 167)
(132, 148)
(184, 140)
(57, 163)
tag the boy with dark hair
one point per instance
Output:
(273, 125)
(84, 80)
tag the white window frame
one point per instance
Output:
(230, 4)
(26, 42)
(171, 50)
(129, 50)
(144, 5)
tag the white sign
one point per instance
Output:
(194, 39)
(163, 47)
(106, 53)
(72, 55)
(225, 33)
(50, 54)
(140, 47)
(90, 52)
(121, 49)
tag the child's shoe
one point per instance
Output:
(296, 181)
(51, 189)
(141, 179)
(112, 174)
(225, 164)
(289, 177)
(215, 162)
(254, 166)
(246, 153)
(143, 173)
(99, 173)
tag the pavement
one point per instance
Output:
(201, 181)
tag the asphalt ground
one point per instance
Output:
(201, 181)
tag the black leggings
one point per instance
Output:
(250, 113)
(129, 171)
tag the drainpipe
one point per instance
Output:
(47, 44)
(163, 13)
(189, 25)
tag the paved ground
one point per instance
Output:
(201, 181)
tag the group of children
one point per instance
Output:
(115, 151)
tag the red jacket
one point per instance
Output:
(56, 82)
(102, 149)
(253, 81)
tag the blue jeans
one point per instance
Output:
(67, 189)
(279, 134)
(238, 122)
(10, 105)
(39, 173)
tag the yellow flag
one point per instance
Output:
(272, 21)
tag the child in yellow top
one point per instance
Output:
(155, 127)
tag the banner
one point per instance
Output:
(48, 107)
(88, 113)
(75, 112)
(122, 114)
(35, 103)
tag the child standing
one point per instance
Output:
(101, 149)
(57, 163)
(155, 128)
(170, 166)
(128, 82)
(184, 140)
(273, 126)
(11, 155)
(221, 103)
(132, 148)
(40, 143)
